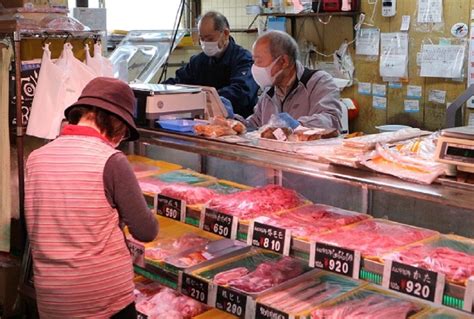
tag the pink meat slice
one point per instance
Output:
(224, 277)
(193, 195)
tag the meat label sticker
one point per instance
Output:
(266, 312)
(335, 259)
(231, 302)
(137, 250)
(171, 208)
(413, 281)
(194, 287)
(218, 223)
(269, 237)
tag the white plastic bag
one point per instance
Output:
(47, 101)
(101, 65)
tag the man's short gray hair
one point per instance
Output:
(220, 21)
(281, 43)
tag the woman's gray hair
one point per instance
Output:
(220, 21)
(281, 43)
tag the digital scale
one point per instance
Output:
(456, 147)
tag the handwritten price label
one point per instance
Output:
(171, 208)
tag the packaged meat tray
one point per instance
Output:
(192, 195)
(227, 187)
(442, 313)
(449, 254)
(306, 222)
(375, 237)
(257, 201)
(368, 142)
(186, 176)
(159, 250)
(144, 166)
(252, 272)
(300, 298)
(198, 255)
(158, 302)
(368, 303)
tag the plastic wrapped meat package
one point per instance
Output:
(450, 255)
(159, 302)
(307, 221)
(192, 195)
(387, 161)
(143, 166)
(304, 296)
(151, 185)
(423, 147)
(159, 250)
(375, 237)
(257, 202)
(367, 303)
(197, 255)
(368, 142)
(253, 272)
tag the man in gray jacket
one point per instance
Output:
(294, 93)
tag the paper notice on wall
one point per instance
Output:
(364, 88)
(471, 119)
(379, 102)
(368, 41)
(379, 89)
(394, 55)
(405, 23)
(414, 92)
(442, 61)
(430, 11)
(437, 96)
(470, 69)
(411, 106)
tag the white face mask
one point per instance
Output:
(210, 48)
(263, 75)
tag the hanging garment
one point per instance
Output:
(100, 64)
(5, 168)
(59, 85)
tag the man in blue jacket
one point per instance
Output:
(223, 64)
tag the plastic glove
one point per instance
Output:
(289, 120)
(228, 107)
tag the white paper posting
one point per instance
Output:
(411, 106)
(470, 71)
(367, 41)
(394, 55)
(471, 119)
(437, 96)
(379, 90)
(405, 23)
(414, 91)
(442, 61)
(430, 11)
(379, 102)
(364, 88)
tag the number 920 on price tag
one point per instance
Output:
(335, 259)
(171, 208)
(413, 281)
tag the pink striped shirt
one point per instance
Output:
(82, 267)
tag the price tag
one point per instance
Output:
(171, 208)
(335, 259)
(137, 250)
(417, 282)
(469, 295)
(269, 237)
(221, 224)
(231, 301)
(266, 312)
(194, 287)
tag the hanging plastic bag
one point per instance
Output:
(101, 65)
(47, 102)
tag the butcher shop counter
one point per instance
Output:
(445, 208)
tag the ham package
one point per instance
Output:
(159, 302)
(375, 237)
(265, 276)
(170, 247)
(257, 202)
(309, 293)
(452, 256)
(307, 221)
(368, 304)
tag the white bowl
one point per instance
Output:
(391, 128)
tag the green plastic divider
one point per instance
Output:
(242, 236)
(370, 276)
(155, 277)
(192, 221)
(300, 254)
(453, 302)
